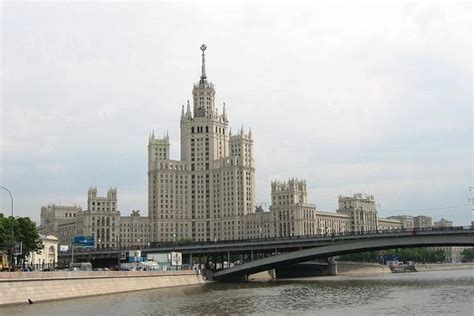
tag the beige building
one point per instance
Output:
(259, 224)
(48, 256)
(291, 215)
(53, 215)
(101, 220)
(362, 210)
(207, 193)
(443, 223)
(408, 222)
(421, 222)
(386, 224)
(134, 231)
(66, 231)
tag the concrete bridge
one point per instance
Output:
(455, 236)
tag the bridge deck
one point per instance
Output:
(454, 237)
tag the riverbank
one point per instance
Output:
(361, 268)
(443, 266)
(20, 287)
(365, 268)
(350, 268)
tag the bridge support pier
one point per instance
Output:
(332, 266)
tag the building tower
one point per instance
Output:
(362, 209)
(207, 193)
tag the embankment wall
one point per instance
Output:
(18, 287)
(354, 268)
(443, 266)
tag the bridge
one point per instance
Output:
(455, 236)
(244, 251)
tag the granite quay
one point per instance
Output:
(21, 287)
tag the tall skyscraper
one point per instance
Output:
(207, 193)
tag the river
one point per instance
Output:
(423, 293)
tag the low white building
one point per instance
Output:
(48, 256)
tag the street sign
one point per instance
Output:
(63, 248)
(84, 241)
(17, 248)
(176, 258)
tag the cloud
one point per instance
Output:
(353, 97)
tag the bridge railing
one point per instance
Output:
(312, 236)
(328, 235)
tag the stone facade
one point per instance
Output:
(362, 210)
(134, 230)
(67, 231)
(48, 256)
(443, 223)
(52, 215)
(408, 222)
(291, 215)
(101, 220)
(385, 224)
(421, 222)
(206, 194)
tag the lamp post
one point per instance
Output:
(119, 254)
(12, 236)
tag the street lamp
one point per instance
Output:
(13, 238)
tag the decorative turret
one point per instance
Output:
(182, 113)
(188, 111)
(291, 192)
(158, 149)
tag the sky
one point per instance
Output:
(361, 96)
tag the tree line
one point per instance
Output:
(421, 255)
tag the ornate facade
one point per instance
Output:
(206, 194)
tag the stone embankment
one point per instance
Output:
(20, 287)
(360, 268)
(443, 266)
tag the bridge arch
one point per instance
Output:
(428, 239)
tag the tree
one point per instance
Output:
(184, 242)
(24, 231)
(468, 254)
(404, 254)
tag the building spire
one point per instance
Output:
(203, 67)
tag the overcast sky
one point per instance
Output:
(364, 97)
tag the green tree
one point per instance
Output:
(24, 231)
(417, 254)
(368, 256)
(404, 254)
(468, 254)
(5, 233)
(184, 242)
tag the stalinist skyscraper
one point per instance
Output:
(206, 194)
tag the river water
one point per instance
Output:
(423, 293)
